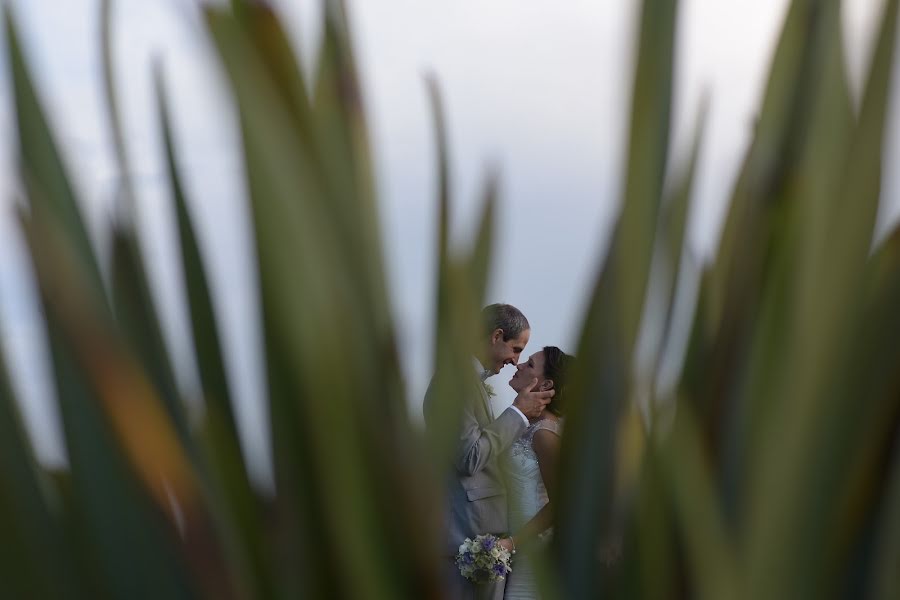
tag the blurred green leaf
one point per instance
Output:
(456, 325)
(601, 381)
(232, 493)
(777, 477)
(482, 250)
(648, 149)
(42, 169)
(309, 290)
(136, 315)
(33, 556)
(690, 479)
(833, 226)
(131, 558)
(108, 498)
(885, 576)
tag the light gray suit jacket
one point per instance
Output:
(476, 491)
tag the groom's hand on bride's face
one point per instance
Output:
(532, 403)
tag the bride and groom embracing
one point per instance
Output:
(503, 466)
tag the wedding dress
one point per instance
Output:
(526, 495)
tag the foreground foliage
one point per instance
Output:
(775, 475)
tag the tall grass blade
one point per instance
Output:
(885, 576)
(309, 290)
(343, 141)
(33, 557)
(648, 149)
(232, 494)
(110, 500)
(43, 172)
(601, 381)
(136, 315)
(482, 250)
(712, 554)
(456, 329)
(131, 557)
(112, 105)
(834, 226)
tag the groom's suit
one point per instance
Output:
(475, 490)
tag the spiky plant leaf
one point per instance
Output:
(712, 550)
(308, 288)
(833, 227)
(110, 419)
(482, 249)
(456, 329)
(33, 556)
(601, 380)
(232, 496)
(885, 579)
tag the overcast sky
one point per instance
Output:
(538, 87)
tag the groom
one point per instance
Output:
(476, 494)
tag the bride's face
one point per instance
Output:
(533, 368)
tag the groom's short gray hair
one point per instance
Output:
(506, 317)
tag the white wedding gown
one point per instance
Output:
(526, 495)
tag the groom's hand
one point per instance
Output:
(532, 403)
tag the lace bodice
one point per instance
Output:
(527, 494)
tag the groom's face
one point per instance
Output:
(506, 352)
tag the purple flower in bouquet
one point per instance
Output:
(483, 560)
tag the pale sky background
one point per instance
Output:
(539, 87)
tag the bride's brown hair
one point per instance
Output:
(557, 365)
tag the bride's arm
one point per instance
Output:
(546, 446)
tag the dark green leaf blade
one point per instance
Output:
(41, 165)
(233, 490)
(33, 555)
(601, 381)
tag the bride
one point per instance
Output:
(531, 465)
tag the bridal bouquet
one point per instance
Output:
(483, 560)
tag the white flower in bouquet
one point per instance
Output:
(483, 560)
